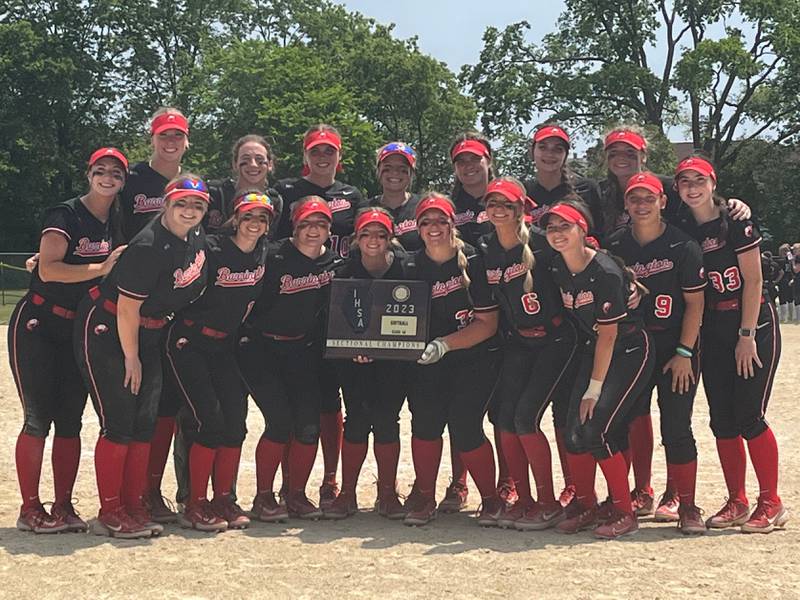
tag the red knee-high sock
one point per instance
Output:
(387, 456)
(480, 464)
(734, 466)
(562, 456)
(640, 438)
(616, 473)
(627, 456)
(285, 466)
(226, 465)
(764, 456)
(353, 456)
(159, 451)
(201, 461)
(517, 465)
(29, 456)
(134, 484)
(66, 457)
(502, 464)
(109, 467)
(301, 461)
(269, 455)
(583, 467)
(684, 478)
(426, 454)
(330, 437)
(537, 449)
(457, 466)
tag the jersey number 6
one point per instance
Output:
(530, 303)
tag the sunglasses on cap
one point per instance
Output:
(398, 148)
(252, 201)
(186, 187)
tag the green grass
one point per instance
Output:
(11, 299)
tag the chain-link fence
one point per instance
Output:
(14, 279)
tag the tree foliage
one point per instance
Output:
(654, 62)
(76, 75)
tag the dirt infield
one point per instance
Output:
(368, 557)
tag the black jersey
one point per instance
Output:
(597, 295)
(141, 198)
(222, 193)
(452, 305)
(471, 219)
(164, 271)
(295, 293)
(344, 201)
(668, 267)
(88, 241)
(405, 222)
(505, 274)
(399, 268)
(587, 189)
(234, 283)
(720, 255)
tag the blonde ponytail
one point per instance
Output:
(458, 243)
(528, 260)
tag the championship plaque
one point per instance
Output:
(378, 318)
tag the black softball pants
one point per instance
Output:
(533, 377)
(675, 408)
(630, 369)
(738, 405)
(45, 372)
(454, 392)
(124, 416)
(373, 396)
(283, 379)
(204, 375)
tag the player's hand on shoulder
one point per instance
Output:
(738, 210)
(112, 258)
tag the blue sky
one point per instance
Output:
(451, 30)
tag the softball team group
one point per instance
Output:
(169, 301)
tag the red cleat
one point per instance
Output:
(268, 510)
(455, 498)
(621, 523)
(67, 513)
(734, 513)
(667, 511)
(542, 516)
(766, 517)
(37, 520)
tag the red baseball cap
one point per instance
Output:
(374, 216)
(186, 186)
(626, 137)
(438, 203)
(108, 151)
(170, 120)
(510, 191)
(568, 213)
(548, 131)
(695, 163)
(472, 146)
(251, 201)
(400, 149)
(315, 206)
(647, 181)
(319, 137)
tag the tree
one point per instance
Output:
(643, 60)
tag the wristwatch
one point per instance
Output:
(747, 332)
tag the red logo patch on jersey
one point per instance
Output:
(143, 204)
(405, 226)
(606, 307)
(87, 247)
(444, 288)
(293, 285)
(185, 277)
(702, 273)
(338, 204)
(228, 278)
(493, 276)
(482, 217)
(748, 231)
(181, 343)
(100, 329)
(32, 324)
